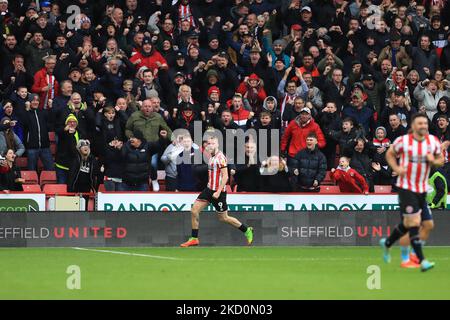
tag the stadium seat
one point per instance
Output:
(327, 181)
(53, 149)
(22, 162)
(55, 188)
(101, 188)
(31, 188)
(31, 177)
(329, 189)
(47, 177)
(383, 189)
(52, 137)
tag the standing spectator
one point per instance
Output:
(330, 121)
(252, 89)
(424, 57)
(361, 112)
(84, 170)
(395, 128)
(428, 94)
(36, 123)
(45, 83)
(186, 180)
(170, 158)
(154, 129)
(66, 150)
(348, 179)
(274, 176)
(309, 166)
(137, 155)
(149, 57)
(10, 179)
(246, 175)
(294, 138)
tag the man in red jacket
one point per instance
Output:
(294, 138)
(348, 179)
(45, 83)
(149, 57)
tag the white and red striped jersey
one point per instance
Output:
(413, 157)
(216, 163)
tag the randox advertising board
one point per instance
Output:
(127, 229)
(250, 202)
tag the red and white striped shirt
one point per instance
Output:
(216, 163)
(413, 157)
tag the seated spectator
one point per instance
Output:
(10, 179)
(8, 139)
(36, 123)
(309, 166)
(348, 179)
(186, 180)
(84, 170)
(274, 175)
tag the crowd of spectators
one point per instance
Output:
(327, 85)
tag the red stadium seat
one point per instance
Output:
(327, 181)
(47, 177)
(22, 162)
(52, 137)
(53, 149)
(31, 177)
(101, 188)
(55, 189)
(31, 188)
(383, 189)
(329, 189)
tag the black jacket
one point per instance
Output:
(75, 184)
(312, 165)
(7, 179)
(137, 163)
(35, 123)
(67, 148)
(275, 183)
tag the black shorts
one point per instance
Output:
(411, 202)
(219, 204)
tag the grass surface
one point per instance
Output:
(218, 273)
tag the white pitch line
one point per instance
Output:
(128, 254)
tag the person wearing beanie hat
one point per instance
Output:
(252, 89)
(214, 90)
(137, 158)
(84, 170)
(68, 138)
(37, 123)
(381, 171)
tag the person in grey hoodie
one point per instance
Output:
(169, 159)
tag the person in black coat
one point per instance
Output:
(274, 176)
(246, 175)
(84, 171)
(310, 166)
(35, 122)
(329, 121)
(186, 180)
(68, 138)
(136, 154)
(361, 160)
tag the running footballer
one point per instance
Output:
(417, 152)
(215, 194)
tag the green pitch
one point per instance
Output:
(218, 273)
